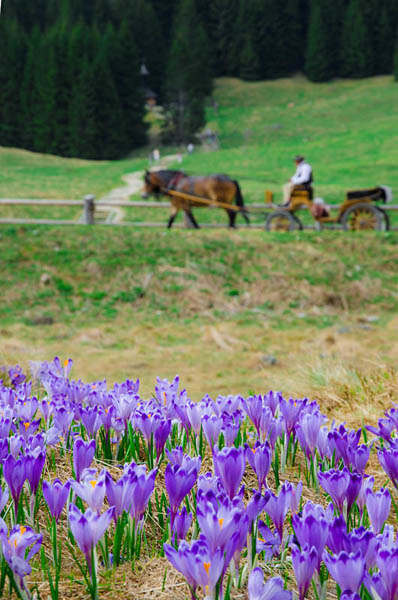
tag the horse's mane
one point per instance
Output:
(164, 174)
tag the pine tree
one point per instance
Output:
(221, 30)
(395, 66)
(293, 36)
(319, 61)
(356, 55)
(11, 72)
(249, 63)
(147, 34)
(125, 70)
(188, 78)
(383, 42)
(44, 97)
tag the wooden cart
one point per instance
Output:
(358, 212)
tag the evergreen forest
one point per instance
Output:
(72, 76)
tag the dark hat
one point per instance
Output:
(298, 158)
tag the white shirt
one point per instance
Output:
(302, 174)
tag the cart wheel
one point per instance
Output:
(363, 216)
(282, 220)
(386, 220)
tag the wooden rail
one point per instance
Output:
(88, 204)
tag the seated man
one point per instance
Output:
(301, 179)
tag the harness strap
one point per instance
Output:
(174, 181)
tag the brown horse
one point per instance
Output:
(216, 188)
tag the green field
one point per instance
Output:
(216, 306)
(347, 129)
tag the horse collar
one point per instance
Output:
(174, 181)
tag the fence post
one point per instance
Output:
(89, 207)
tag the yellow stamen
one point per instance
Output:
(207, 567)
(93, 483)
(66, 362)
(221, 521)
(149, 415)
(165, 398)
(93, 386)
(254, 450)
(22, 529)
(26, 425)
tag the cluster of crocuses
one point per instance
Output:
(203, 483)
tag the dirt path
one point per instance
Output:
(133, 184)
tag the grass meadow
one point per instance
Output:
(310, 314)
(185, 294)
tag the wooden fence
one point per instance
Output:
(89, 206)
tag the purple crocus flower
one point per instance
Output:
(307, 431)
(337, 535)
(267, 541)
(178, 484)
(91, 489)
(359, 457)
(291, 411)
(3, 449)
(27, 428)
(231, 426)
(387, 561)
(14, 472)
(161, 434)
(388, 458)
(229, 466)
(335, 483)
(212, 428)
(142, 486)
(259, 458)
(195, 413)
(256, 505)
(270, 590)
(15, 549)
(119, 493)
(88, 528)
(277, 507)
(219, 522)
(4, 495)
(34, 464)
(56, 495)
(83, 454)
(364, 541)
(200, 567)
(313, 530)
(367, 483)
(182, 523)
(209, 482)
(384, 430)
(348, 570)
(305, 561)
(354, 487)
(378, 505)
(63, 418)
(296, 496)
(92, 419)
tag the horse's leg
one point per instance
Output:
(174, 213)
(194, 221)
(232, 218)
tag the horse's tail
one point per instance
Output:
(240, 202)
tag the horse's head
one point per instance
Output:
(155, 182)
(152, 184)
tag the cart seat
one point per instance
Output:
(305, 191)
(375, 193)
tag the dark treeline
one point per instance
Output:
(70, 80)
